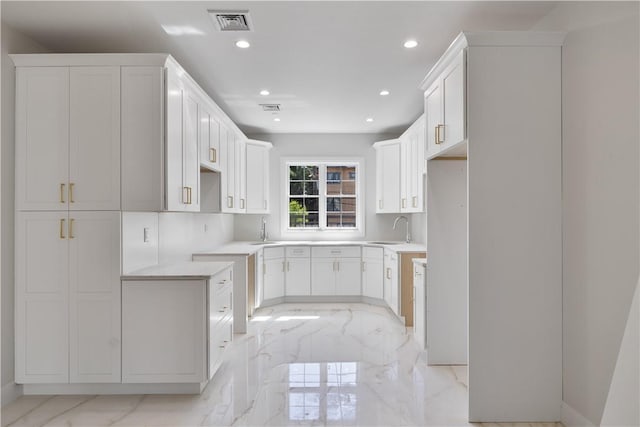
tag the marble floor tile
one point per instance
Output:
(299, 365)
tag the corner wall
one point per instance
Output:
(601, 255)
(12, 42)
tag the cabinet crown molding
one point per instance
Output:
(492, 38)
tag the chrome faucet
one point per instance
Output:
(395, 223)
(263, 229)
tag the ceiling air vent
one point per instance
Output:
(270, 107)
(231, 20)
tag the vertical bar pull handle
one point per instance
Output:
(364, 266)
(71, 185)
(62, 193)
(71, 221)
(62, 236)
(414, 201)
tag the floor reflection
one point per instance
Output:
(323, 391)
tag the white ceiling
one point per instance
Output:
(325, 62)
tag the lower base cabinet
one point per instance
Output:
(419, 305)
(175, 331)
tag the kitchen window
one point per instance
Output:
(322, 196)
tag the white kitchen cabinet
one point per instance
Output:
(228, 182)
(412, 168)
(240, 190)
(372, 272)
(387, 176)
(164, 331)
(68, 138)
(445, 103)
(182, 166)
(67, 297)
(274, 273)
(209, 136)
(336, 270)
(257, 184)
(298, 271)
(143, 97)
(220, 308)
(391, 288)
(419, 305)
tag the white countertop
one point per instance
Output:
(183, 270)
(248, 248)
(421, 261)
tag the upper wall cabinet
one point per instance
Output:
(209, 137)
(387, 176)
(400, 168)
(257, 153)
(68, 138)
(444, 106)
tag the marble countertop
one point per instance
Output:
(183, 270)
(248, 248)
(421, 261)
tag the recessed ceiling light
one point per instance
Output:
(277, 119)
(243, 44)
(384, 92)
(410, 44)
(264, 92)
(369, 119)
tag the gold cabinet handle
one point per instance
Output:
(186, 195)
(189, 189)
(62, 236)
(404, 203)
(213, 155)
(62, 193)
(438, 135)
(71, 185)
(71, 221)
(241, 203)
(414, 201)
(389, 273)
(229, 201)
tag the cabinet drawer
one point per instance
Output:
(370, 252)
(271, 253)
(224, 277)
(298, 252)
(390, 255)
(336, 251)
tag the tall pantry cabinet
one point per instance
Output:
(67, 224)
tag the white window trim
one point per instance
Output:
(322, 233)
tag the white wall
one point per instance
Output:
(12, 42)
(377, 226)
(600, 192)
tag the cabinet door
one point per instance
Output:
(394, 298)
(190, 162)
(142, 136)
(273, 278)
(42, 138)
(94, 138)
(257, 178)
(164, 331)
(232, 201)
(389, 178)
(209, 137)
(433, 116)
(298, 276)
(225, 170)
(94, 297)
(41, 311)
(173, 172)
(405, 174)
(241, 175)
(372, 278)
(348, 276)
(323, 276)
(453, 102)
(419, 306)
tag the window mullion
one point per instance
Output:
(322, 200)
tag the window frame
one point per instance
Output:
(322, 229)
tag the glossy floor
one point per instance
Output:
(306, 364)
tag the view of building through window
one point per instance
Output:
(322, 196)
